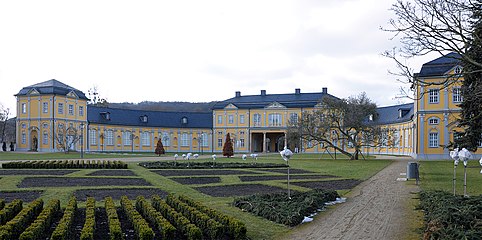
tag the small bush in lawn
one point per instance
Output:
(278, 208)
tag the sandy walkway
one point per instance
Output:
(376, 209)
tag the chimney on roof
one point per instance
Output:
(325, 90)
(263, 92)
(297, 91)
(238, 94)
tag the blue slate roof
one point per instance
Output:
(52, 87)
(127, 117)
(440, 66)
(391, 114)
(293, 100)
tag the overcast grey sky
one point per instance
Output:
(198, 51)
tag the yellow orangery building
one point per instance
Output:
(256, 123)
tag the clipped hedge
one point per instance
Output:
(63, 229)
(87, 232)
(210, 227)
(37, 229)
(13, 228)
(155, 218)
(451, 217)
(278, 208)
(65, 164)
(233, 227)
(189, 230)
(141, 227)
(10, 210)
(2, 203)
(115, 230)
(206, 165)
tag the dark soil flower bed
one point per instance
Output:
(125, 173)
(36, 172)
(199, 172)
(238, 190)
(279, 177)
(117, 193)
(72, 182)
(197, 180)
(181, 164)
(26, 196)
(285, 171)
(331, 184)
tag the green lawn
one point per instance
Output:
(438, 175)
(258, 228)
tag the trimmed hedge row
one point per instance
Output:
(87, 232)
(141, 227)
(155, 218)
(451, 217)
(37, 229)
(13, 228)
(206, 165)
(62, 231)
(278, 208)
(2, 203)
(210, 227)
(10, 210)
(65, 164)
(190, 231)
(233, 227)
(115, 230)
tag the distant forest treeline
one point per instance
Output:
(166, 106)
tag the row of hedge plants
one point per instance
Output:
(66, 164)
(141, 227)
(166, 229)
(63, 229)
(13, 228)
(87, 232)
(182, 224)
(115, 230)
(206, 165)
(38, 228)
(451, 217)
(2, 203)
(10, 210)
(277, 207)
(233, 227)
(209, 226)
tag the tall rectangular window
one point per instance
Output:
(24, 108)
(81, 110)
(204, 140)
(433, 95)
(146, 140)
(241, 119)
(61, 108)
(405, 135)
(109, 137)
(293, 118)
(457, 95)
(93, 136)
(433, 140)
(274, 119)
(220, 119)
(71, 109)
(45, 107)
(241, 142)
(257, 120)
(45, 138)
(24, 138)
(184, 140)
(230, 119)
(166, 140)
(396, 138)
(127, 138)
(220, 142)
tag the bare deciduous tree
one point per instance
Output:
(65, 138)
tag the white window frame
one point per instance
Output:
(45, 138)
(81, 110)
(294, 118)
(24, 138)
(127, 138)
(145, 139)
(230, 119)
(184, 140)
(109, 137)
(457, 95)
(71, 109)
(220, 119)
(24, 108)
(257, 119)
(92, 136)
(166, 139)
(433, 140)
(204, 140)
(433, 121)
(220, 142)
(241, 119)
(433, 96)
(275, 120)
(61, 108)
(45, 107)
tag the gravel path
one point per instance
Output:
(375, 209)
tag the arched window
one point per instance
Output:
(184, 121)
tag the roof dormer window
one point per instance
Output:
(370, 117)
(143, 118)
(458, 70)
(105, 115)
(184, 121)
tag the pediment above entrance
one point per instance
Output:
(72, 94)
(275, 105)
(230, 106)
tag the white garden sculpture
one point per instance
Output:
(455, 156)
(286, 155)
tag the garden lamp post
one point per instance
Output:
(82, 140)
(286, 155)
(455, 156)
(465, 155)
